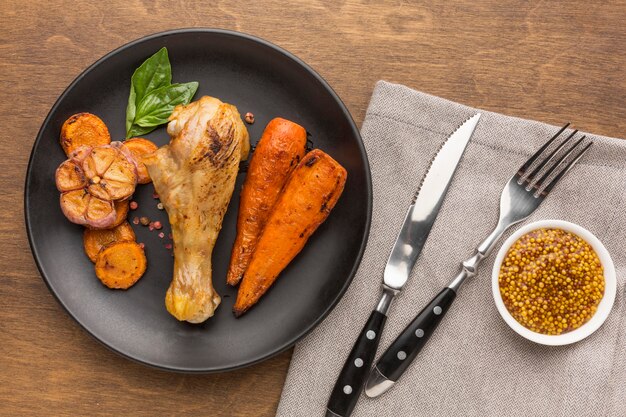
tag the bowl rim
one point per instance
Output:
(604, 308)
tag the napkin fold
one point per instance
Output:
(474, 365)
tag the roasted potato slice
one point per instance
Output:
(94, 240)
(121, 264)
(83, 129)
(138, 147)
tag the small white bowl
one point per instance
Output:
(604, 308)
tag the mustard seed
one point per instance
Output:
(551, 281)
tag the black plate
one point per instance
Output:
(255, 76)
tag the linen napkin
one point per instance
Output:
(474, 365)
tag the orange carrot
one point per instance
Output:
(278, 152)
(305, 202)
(119, 265)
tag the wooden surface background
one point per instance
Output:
(554, 61)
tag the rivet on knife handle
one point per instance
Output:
(356, 369)
(517, 201)
(417, 224)
(405, 348)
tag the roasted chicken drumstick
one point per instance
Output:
(194, 177)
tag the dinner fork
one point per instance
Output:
(524, 192)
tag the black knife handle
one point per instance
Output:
(350, 382)
(405, 348)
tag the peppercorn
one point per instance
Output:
(133, 205)
(249, 118)
(551, 281)
(160, 206)
(157, 225)
(144, 221)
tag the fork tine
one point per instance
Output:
(569, 166)
(533, 158)
(531, 176)
(545, 176)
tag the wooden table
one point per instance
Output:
(548, 60)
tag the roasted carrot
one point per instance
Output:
(83, 129)
(138, 147)
(307, 198)
(96, 239)
(121, 211)
(120, 264)
(278, 152)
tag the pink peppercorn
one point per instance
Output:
(133, 205)
(168, 246)
(155, 195)
(136, 220)
(142, 245)
(151, 226)
(157, 225)
(161, 235)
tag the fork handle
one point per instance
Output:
(399, 356)
(470, 266)
(405, 348)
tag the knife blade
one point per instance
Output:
(418, 222)
(425, 206)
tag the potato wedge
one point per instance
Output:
(139, 147)
(83, 129)
(96, 239)
(121, 264)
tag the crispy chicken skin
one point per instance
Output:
(194, 176)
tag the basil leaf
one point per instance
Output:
(136, 131)
(130, 110)
(154, 73)
(157, 106)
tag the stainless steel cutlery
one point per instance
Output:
(417, 224)
(524, 192)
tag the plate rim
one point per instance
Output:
(360, 144)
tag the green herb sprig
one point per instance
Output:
(152, 95)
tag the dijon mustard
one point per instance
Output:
(551, 281)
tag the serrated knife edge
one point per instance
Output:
(432, 160)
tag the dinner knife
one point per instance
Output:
(418, 221)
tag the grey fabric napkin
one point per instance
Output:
(474, 365)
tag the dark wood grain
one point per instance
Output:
(547, 60)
